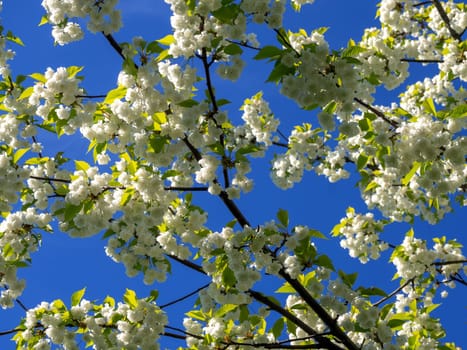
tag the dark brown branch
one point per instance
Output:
(186, 189)
(418, 60)
(377, 112)
(11, 331)
(233, 208)
(184, 297)
(446, 20)
(280, 144)
(390, 295)
(187, 263)
(323, 341)
(114, 44)
(244, 44)
(320, 311)
(91, 96)
(49, 179)
(452, 262)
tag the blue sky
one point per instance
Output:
(64, 265)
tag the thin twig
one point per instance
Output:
(184, 297)
(452, 262)
(377, 112)
(390, 295)
(50, 179)
(186, 189)
(419, 60)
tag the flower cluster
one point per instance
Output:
(361, 235)
(133, 324)
(17, 242)
(56, 86)
(103, 17)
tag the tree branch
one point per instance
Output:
(377, 112)
(323, 342)
(446, 20)
(186, 189)
(390, 295)
(320, 311)
(184, 297)
(114, 44)
(417, 60)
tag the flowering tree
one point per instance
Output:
(165, 133)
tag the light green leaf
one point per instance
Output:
(405, 181)
(39, 77)
(26, 93)
(115, 94)
(429, 106)
(13, 38)
(81, 165)
(286, 288)
(77, 296)
(166, 40)
(73, 70)
(19, 153)
(130, 298)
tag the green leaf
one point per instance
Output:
(224, 309)
(227, 13)
(278, 72)
(348, 279)
(283, 217)
(19, 153)
(115, 94)
(324, 261)
(126, 196)
(352, 51)
(44, 20)
(73, 70)
(188, 103)
(26, 93)
(405, 181)
(269, 51)
(71, 210)
(167, 40)
(170, 173)
(228, 277)
(109, 301)
(39, 77)
(278, 327)
(198, 315)
(361, 161)
(317, 234)
(233, 49)
(81, 165)
(13, 38)
(429, 106)
(285, 288)
(77, 296)
(130, 298)
(366, 292)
